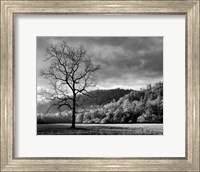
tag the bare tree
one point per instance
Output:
(70, 72)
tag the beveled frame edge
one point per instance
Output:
(11, 8)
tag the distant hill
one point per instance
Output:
(144, 106)
(114, 106)
(102, 97)
(97, 97)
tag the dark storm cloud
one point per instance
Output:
(125, 61)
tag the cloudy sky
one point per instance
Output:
(126, 62)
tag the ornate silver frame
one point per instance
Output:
(10, 8)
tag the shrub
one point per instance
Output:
(117, 116)
(141, 119)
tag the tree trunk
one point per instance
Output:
(74, 113)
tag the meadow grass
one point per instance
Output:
(100, 129)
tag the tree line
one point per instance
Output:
(144, 106)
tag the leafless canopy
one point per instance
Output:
(71, 72)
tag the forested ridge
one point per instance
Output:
(96, 97)
(111, 106)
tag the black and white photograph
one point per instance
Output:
(99, 85)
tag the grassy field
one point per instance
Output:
(100, 129)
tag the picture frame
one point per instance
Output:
(9, 9)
